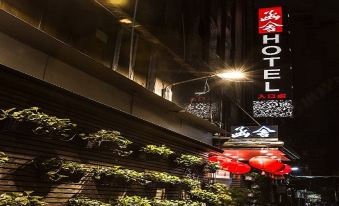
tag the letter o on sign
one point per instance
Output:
(273, 50)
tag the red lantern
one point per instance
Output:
(219, 159)
(287, 169)
(266, 164)
(236, 167)
(215, 159)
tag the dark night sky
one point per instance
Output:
(314, 40)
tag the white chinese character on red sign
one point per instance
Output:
(270, 15)
(270, 20)
(270, 27)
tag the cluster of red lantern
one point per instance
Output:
(230, 165)
(270, 165)
(266, 164)
(263, 163)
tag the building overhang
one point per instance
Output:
(244, 150)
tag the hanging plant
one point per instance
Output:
(212, 167)
(157, 150)
(190, 183)
(44, 124)
(239, 196)
(210, 197)
(110, 139)
(118, 175)
(217, 188)
(133, 200)
(3, 158)
(20, 199)
(84, 201)
(158, 202)
(58, 170)
(190, 160)
(162, 179)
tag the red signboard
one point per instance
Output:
(270, 20)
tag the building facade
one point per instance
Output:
(103, 64)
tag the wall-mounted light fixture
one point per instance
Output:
(229, 75)
(125, 21)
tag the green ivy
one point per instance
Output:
(20, 199)
(161, 177)
(158, 202)
(218, 188)
(117, 172)
(157, 150)
(190, 160)
(239, 196)
(212, 167)
(3, 158)
(190, 183)
(58, 169)
(119, 143)
(84, 201)
(210, 197)
(133, 201)
(46, 124)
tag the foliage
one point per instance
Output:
(212, 167)
(133, 201)
(20, 199)
(239, 195)
(3, 158)
(119, 143)
(210, 197)
(84, 201)
(58, 169)
(189, 160)
(218, 188)
(204, 196)
(6, 114)
(117, 172)
(157, 150)
(161, 177)
(46, 124)
(190, 183)
(158, 202)
(259, 187)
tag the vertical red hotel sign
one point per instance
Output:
(274, 99)
(270, 20)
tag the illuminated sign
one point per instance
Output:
(254, 132)
(270, 20)
(274, 96)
